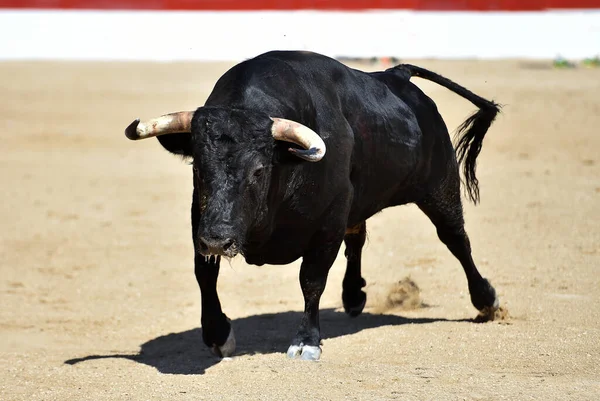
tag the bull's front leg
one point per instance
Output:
(313, 277)
(217, 332)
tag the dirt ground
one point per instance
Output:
(98, 296)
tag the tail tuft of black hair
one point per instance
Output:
(469, 139)
(470, 134)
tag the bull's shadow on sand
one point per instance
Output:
(184, 353)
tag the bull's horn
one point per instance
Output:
(167, 124)
(291, 131)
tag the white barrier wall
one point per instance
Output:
(200, 35)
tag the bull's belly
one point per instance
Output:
(367, 204)
(361, 214)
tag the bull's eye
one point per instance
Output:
(258, 172)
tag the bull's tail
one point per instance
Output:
(470, 133)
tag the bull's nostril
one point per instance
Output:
(203, 244)
(227, 244)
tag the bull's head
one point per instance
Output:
(233, 158)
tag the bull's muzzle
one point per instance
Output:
(218, 246)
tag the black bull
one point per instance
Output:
(275, 199)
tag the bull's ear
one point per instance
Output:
(179, 144)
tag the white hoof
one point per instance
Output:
(227, 349)
(294, 351)
(311, 353)
(304, 352)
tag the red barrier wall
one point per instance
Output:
(224, 5)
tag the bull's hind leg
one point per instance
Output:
(444, 209)
(353, 297)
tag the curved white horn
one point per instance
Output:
(167, 124)
(291, 131)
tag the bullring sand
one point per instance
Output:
(98, 295)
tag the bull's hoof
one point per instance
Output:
(304, 352)
(354, 305)
(228, 348)
(486, 314)
(483, 296)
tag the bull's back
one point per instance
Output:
(393, 127)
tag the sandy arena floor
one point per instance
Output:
(98, 296)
